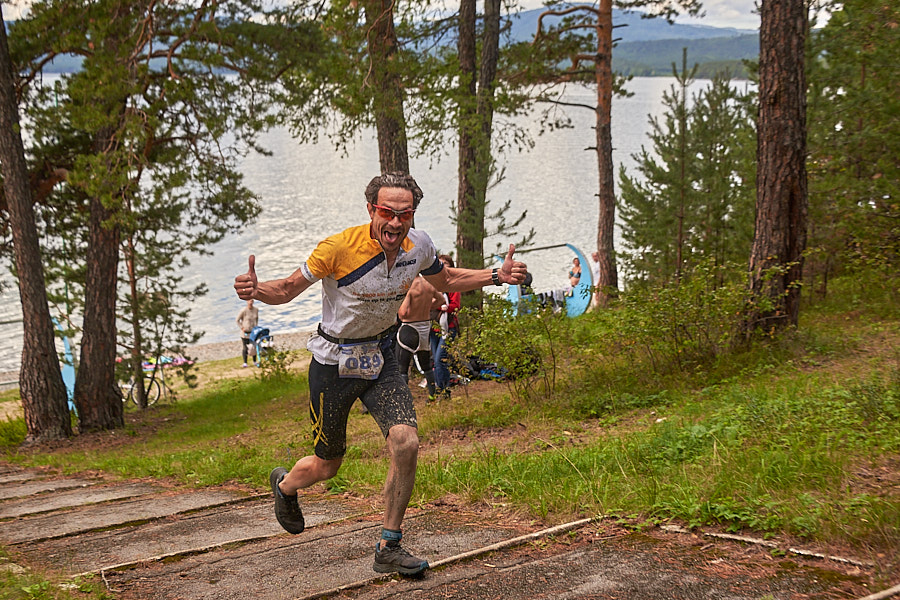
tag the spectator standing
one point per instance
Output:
(595, 278)
(440, 336)
(247, 319)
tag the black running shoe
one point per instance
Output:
(394, 559)
(287, 509)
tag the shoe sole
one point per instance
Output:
(379, 568)
(274, 477)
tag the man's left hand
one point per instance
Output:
(512, 272)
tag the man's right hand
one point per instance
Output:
(246, 285)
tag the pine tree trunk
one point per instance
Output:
(97, 395)
(389, 120)
(476, 117)
(41, 385)
(480, 170)
(608, 282)
(468, 242)
(137, 349)
(781, 202)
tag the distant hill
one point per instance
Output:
(629, 26)
(648, 47)
(711, 54)
(645, 47)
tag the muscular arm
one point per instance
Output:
(456, 279)
(281, 291)
(437, 300)
(275, 291)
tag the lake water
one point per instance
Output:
(311, 191)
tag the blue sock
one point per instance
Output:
(278, 488)
(389, 536)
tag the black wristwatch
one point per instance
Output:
(495, 277)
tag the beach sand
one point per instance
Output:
(201, 353)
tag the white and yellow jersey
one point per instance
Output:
(360, 295)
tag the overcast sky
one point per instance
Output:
(741, 14)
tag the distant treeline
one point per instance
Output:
(655, 58)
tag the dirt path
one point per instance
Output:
(149, 542)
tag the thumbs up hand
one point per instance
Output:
(512, 271)
(246, 285)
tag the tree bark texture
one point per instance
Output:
(608, 281)
(97, 395)
(385, 80)
(781, 201)
(476, 101)
(468, 242)
(487, 73)
(137, 350)
(41, 385)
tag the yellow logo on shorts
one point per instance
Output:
(317, 420)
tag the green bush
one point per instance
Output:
(12, 433)
(527, 346)
(275, 365)
(682, 325)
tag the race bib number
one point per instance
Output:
(360, 361)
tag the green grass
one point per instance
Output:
(773, 460)
(217, 438)
(22, 585)
(782, 437)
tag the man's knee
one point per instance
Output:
(403, 440)
(326, 469)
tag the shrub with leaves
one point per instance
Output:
(677, 326)
(274, 366)
(524, 343)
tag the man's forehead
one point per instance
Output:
(395, 195)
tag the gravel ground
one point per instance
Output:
(223, 350)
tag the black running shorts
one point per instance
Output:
(387, 399)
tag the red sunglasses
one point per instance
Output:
(389, 213)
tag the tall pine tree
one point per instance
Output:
(141, 146)
(693, 198)
(854, 140)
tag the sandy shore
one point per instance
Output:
(223, 350)
(201, 353)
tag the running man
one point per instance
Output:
(415, 328)
(365, 272)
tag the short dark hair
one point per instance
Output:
(395, 179)
(447, 258)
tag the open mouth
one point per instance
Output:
(391, 237)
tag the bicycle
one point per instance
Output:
(152, 390)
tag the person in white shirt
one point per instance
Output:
(366, 272)
(247, 319)
(595, 277)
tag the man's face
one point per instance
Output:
(390, 232)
